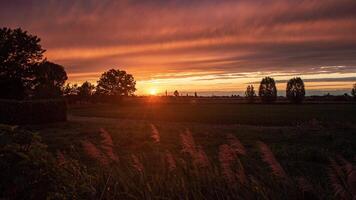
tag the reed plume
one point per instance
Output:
(198, 155)
(155, 134)
(236, 145)
(342, 178)
(136, 164)
(271, 160)
(107, 145)
(188, 143)
(226, 157)
(92, 151)
(200, 158)
(170, 161)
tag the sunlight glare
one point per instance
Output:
(153, 91)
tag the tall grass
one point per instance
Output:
(190, 174)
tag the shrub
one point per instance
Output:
(268, 90)
(32, 112)
(295, 91)
(29, 171)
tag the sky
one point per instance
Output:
(209, 46)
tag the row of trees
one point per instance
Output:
(295, 91)
(114, 82)
(25, 73)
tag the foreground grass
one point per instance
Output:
(253, 114)
(303, 150)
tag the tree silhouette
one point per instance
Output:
(295, 91)
(268, 90)
(70, 90)
(86, 90)
(176, 93)
(353, 91)
(116, 83)
(48, 79)
(19, 52)
(195, 94)
(250, 93)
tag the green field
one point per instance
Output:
(253, 114)
(302, 137)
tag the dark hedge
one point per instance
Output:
(32, 111)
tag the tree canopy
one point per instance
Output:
(295, 91)
(353, 91)
(23, 72)
(19, 52)
(86, 89)
(250, 93)
(116, 82)
(268, 90)
(49, 78)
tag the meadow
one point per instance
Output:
(223, 113)
(216, 151)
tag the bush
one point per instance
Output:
(295, 91)
(29, 171)
(32, 112)
(268, 90)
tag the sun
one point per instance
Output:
(153, 91)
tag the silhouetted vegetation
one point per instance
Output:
(23, 72)
(176, 93)
(203, 161)
(29, 171)
(295, 91)
(19, 53)
(86, 90)
(49, 79)
(250, 93)
(268, 90)
(353, 91)
(70, 89)
(116, 83)
(33, 111)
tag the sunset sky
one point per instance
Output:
(212, 47)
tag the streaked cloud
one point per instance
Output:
(205, 44)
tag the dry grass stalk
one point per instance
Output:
(226, 157)
(107, 145)
(136, 164)
(236, 145)
(343, 179)
(170, 161)
(198, 155)
(61, 160)
(304, 185)
(94, 152)
(201, 159)
(271, 160)
(188, 143)
(155, 134)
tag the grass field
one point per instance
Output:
(253, 114)
(302, 137)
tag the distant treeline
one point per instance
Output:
(25, 74)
